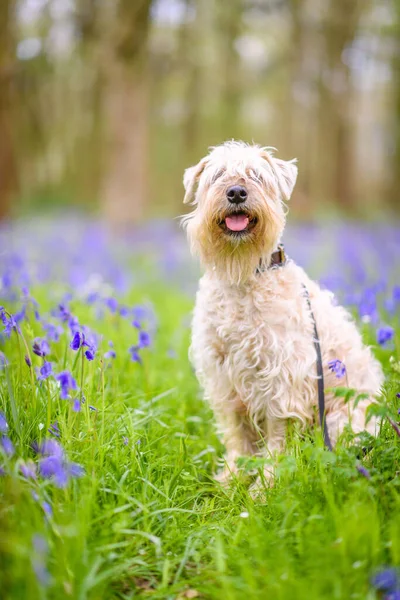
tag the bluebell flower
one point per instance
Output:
(10, 324)
(62, 312)
(76, 405)
(55, 466)
(28, 361)
(77, 340)
(110, 354)
(112, 304)
(384, 335)
(54, 429)
(53, 332)
(40, 347)
(135, 357)
(7, 445)
(337, 367)
(67, 384)
(124, 311)
(386, 580)
(144, 339)
(45, 371)
(3, 423)
(363, 471)
(89, 354)
(47, 508)
(136, 324)
(28, 469)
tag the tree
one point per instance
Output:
(125, 185)
(8, 167)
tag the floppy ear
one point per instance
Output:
(285, 172)
(191, 178)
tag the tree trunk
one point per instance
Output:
(8, 169)
(125, 185)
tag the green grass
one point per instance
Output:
(147, 520)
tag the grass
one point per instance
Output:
(146, 519)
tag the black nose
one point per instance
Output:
(236, 194)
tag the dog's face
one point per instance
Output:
(238, 191)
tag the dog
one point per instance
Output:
(253, 339)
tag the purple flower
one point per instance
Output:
(28, 361)
(112, 304)
(53, 332)
(50, 447)
(125, 441)
(144, 339)
(47, 508)
(7, 445)
(363, 471)
(384, 334)
(45, 371)
(55, 466)
(337, 367)
(40, 347)
(135, 357)
(54, 429)
(67, 383)
(76, 406)
(398, 395)
(124, 311)
(89, 354)
(28, 470)
(387, 580)
(77, 341)
(9, 322)
(110, 354)
(3, 360)
(3, 423)
(136, 324)
(62, 312)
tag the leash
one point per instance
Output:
(320, 373)
(278, 259)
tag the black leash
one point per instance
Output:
(278, 259)
(320, 373)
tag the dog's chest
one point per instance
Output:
(249, 336)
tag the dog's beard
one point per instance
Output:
(235, 255)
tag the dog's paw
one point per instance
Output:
(225, 476)
(259, 489)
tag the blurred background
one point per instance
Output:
(103, 103)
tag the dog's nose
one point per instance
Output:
(236, 194)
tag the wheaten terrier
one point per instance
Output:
(257, 315)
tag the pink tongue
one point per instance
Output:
(237, 222)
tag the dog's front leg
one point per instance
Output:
(239, 438)
(273, 445)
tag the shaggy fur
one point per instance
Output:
(252, 337)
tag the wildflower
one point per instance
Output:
(398, 395)
(28, 361)
(136, 324)
(3, 423)
(67, 383)
(77, 341)
(363, 471)
(337, 367)
(55, 466)
(384, 334)
(124, 311)
(40, 347)
(54, 429)
(28, 470)
(62, 312)
(135, 357)
(45, 371)
(3, 360)
(76, 406)
(110, 354)
(89, 354)
(112, 304)
(53, 332)
(387, 580)
(125, 441)
(47, 508)
(144, 339)
(8, 446)
(9, 322)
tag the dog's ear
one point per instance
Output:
(285, 172)
(191, 178)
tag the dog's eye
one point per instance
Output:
(255, 176)
(217, 175)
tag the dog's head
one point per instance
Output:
(238, 191)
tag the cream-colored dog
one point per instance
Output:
(252, 338)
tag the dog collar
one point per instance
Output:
(278, 259)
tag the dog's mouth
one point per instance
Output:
(238, 223)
